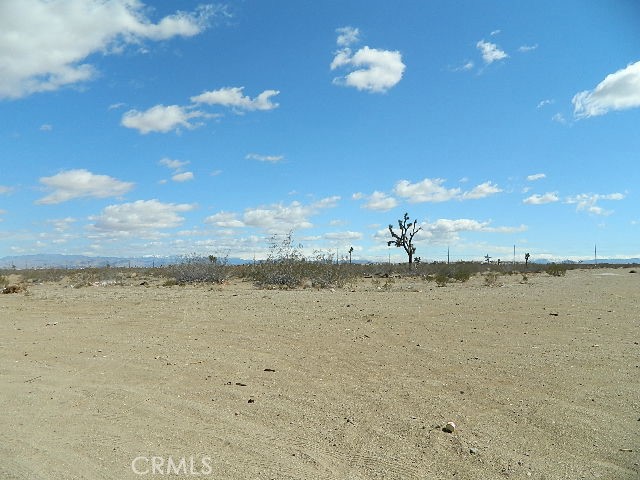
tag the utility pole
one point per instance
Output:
(448, 260)
(595, 253)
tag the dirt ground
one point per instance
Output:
(542, 379)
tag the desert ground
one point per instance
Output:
(542, 380)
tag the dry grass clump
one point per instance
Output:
(195, 268)
(556, 270)
(287, 267)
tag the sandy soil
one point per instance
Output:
(541, 378)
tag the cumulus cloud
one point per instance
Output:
(45, 44)
(347, 36)
(618, 91)
(378, 201)
(161, 119)
(80, 183)
(483, 190)
(588, 202)
(433, 190)
(225, 220)
(233, 97)
(265, 158)
(536, 176)
(369, 69)
(143, 217)
(182, 177)
(448, 230)
(536, 199)
(279, 218)
(175, 165)
(490, 52)
(274, 218)
(427, 190)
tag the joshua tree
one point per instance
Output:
(350, 252)
(404, 239)
(526, 260)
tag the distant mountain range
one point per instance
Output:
(83, 261)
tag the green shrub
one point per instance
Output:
(441, 278)
(461, 274)
(287, 267)
(195, 268)
(556, 270)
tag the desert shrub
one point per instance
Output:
(42, 275)
(461, 274)
(556, 270)
(3, 281)
(287, 267)
(196, 268)
(491, 279)
(441, 278)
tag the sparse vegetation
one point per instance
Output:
(195, 268)
(491, 279)
(556, 270)
(287, 267)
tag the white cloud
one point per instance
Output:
(483, 190)
(537, 199)
(175, 165)
(559, 118)
(225, 220)
(279, 218)
(527, 48)
(46, 127)
(81, 183)
(182, 177)
(536, 176)
(447, 230)
(371, 69)
(347, 36)
(45, 44)
(4, 190)
(490, 52)
(343, 235)
(161, 119)
(618, 91)
(465, 67)
(143, 217)
(378, 201)
(588, 202)
(62, 225)
(427, 190)
(265, 158)
(233, 97)
(544, 103)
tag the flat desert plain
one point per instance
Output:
(542, 380)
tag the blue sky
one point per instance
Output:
(132, 128)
